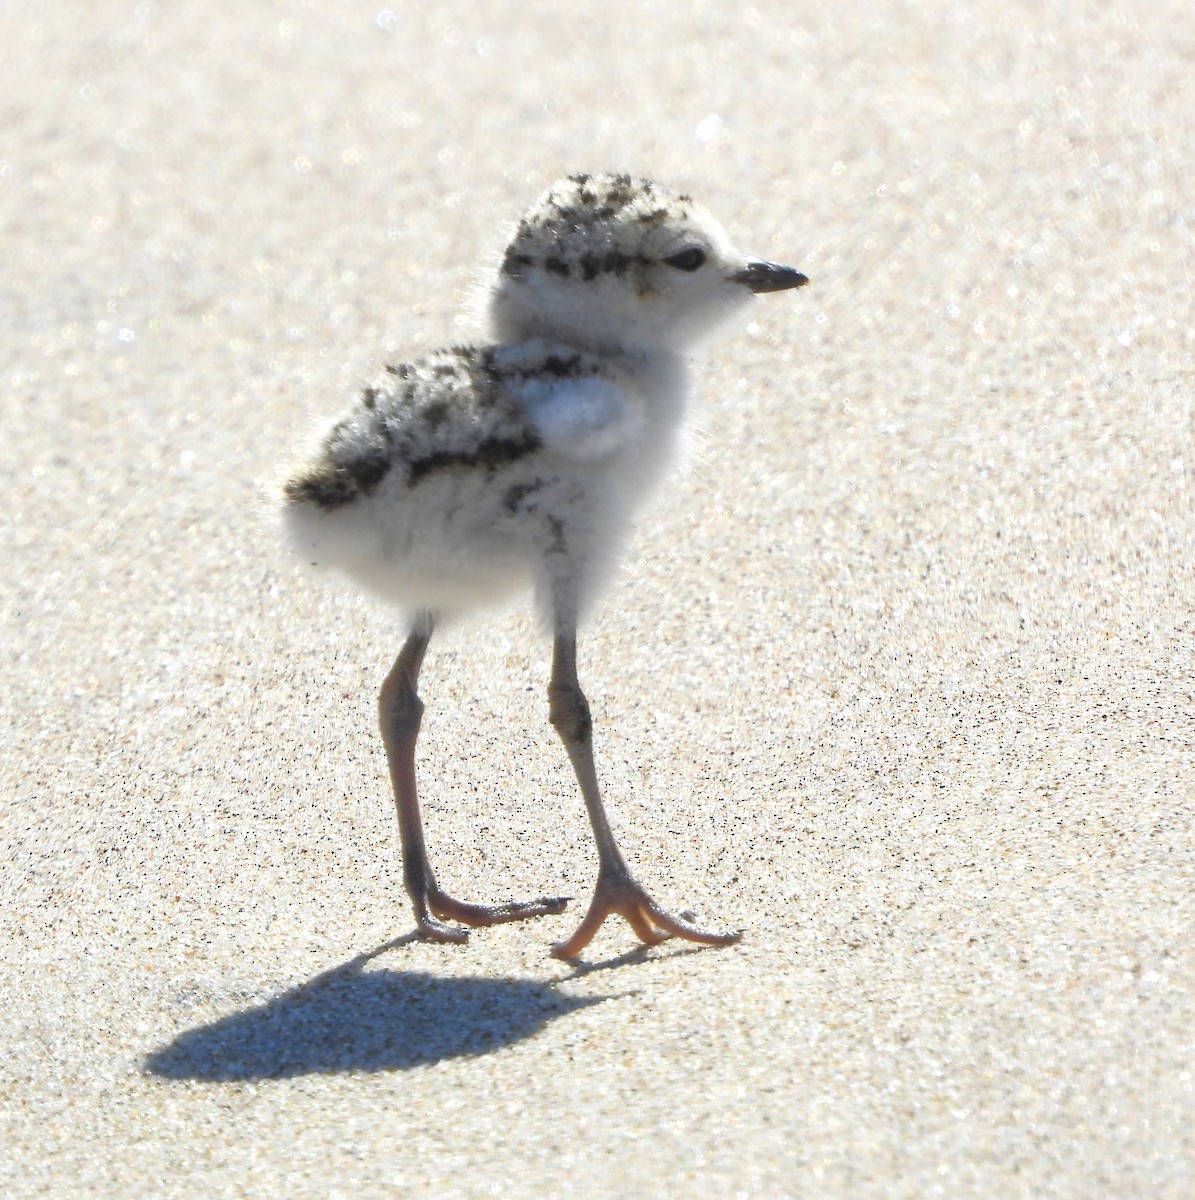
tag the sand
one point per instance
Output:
(898, 679)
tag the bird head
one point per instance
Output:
(612, 262)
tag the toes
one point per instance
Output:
(640, 919)
(520, 910)
(438, 931)
(683, 927)
(651, 923)
(583, 935)
(466, 913)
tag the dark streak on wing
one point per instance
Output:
(330, 485)
(512, 501)
(490, 454)
(449, 411)
(562, 368)
(559, 543)
(514, 262)
(325, 487)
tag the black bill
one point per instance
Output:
(769, 277)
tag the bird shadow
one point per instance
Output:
(348, 1019)
(639, 956)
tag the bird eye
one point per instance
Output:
(687, 260)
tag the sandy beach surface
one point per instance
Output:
(898, 678)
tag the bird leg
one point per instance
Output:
(617, 889)
(401, 712)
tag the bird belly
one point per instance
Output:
(440, 546)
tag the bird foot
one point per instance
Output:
(438, 904)
(618, 892)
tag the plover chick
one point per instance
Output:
(470, 472)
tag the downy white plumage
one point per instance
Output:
(469, 473)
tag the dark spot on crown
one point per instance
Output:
(557, 266)
(654, 217)
(369, 397)
(402, 370)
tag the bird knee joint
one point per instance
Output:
(568, 711)
(401, 711)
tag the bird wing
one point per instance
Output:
(583, 417)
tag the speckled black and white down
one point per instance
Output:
(458, 477)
